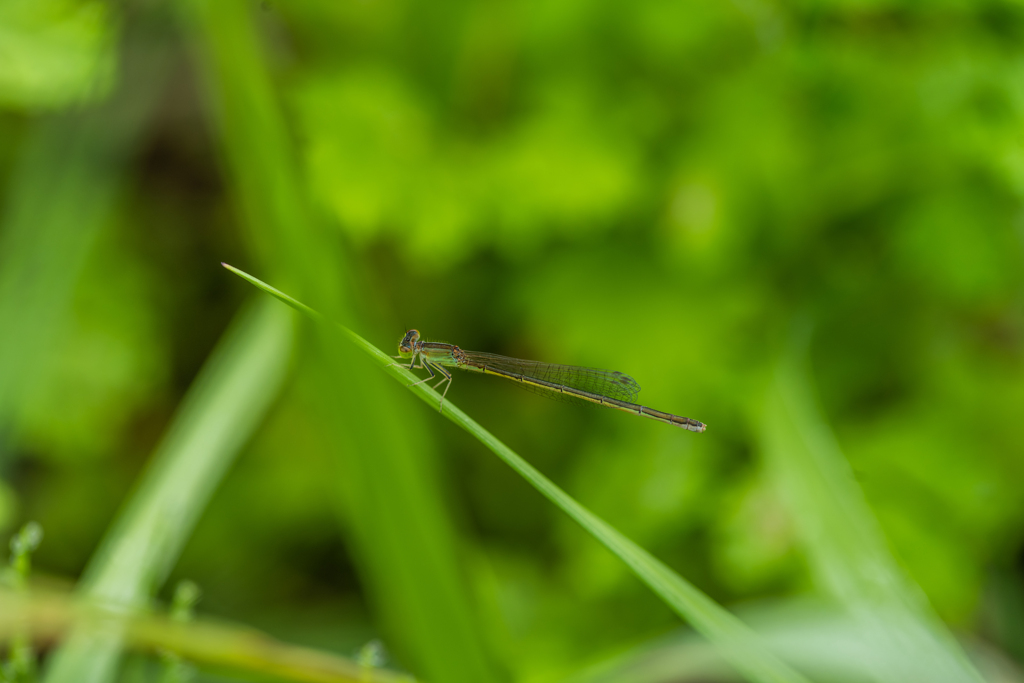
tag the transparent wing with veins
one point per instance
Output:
(610, 383)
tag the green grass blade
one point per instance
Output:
(47, 615)
(294, 303)
(843, 542)
(738, 644)
(818, 636)
(219, 414)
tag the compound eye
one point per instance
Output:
(408, 341)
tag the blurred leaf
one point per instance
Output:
(846, 549)
(756, 538)
(371, 145)
(381, 158)
(218, 646)
(822, 640)
(61, 195)
(55, 52)
(930, 242)
(110, 351)
(223, 408)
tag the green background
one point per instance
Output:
(705, 195)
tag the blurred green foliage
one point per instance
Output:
(674, 190)
(56, 53)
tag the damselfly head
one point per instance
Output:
(408, 342)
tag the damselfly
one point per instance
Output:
(575, 384)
